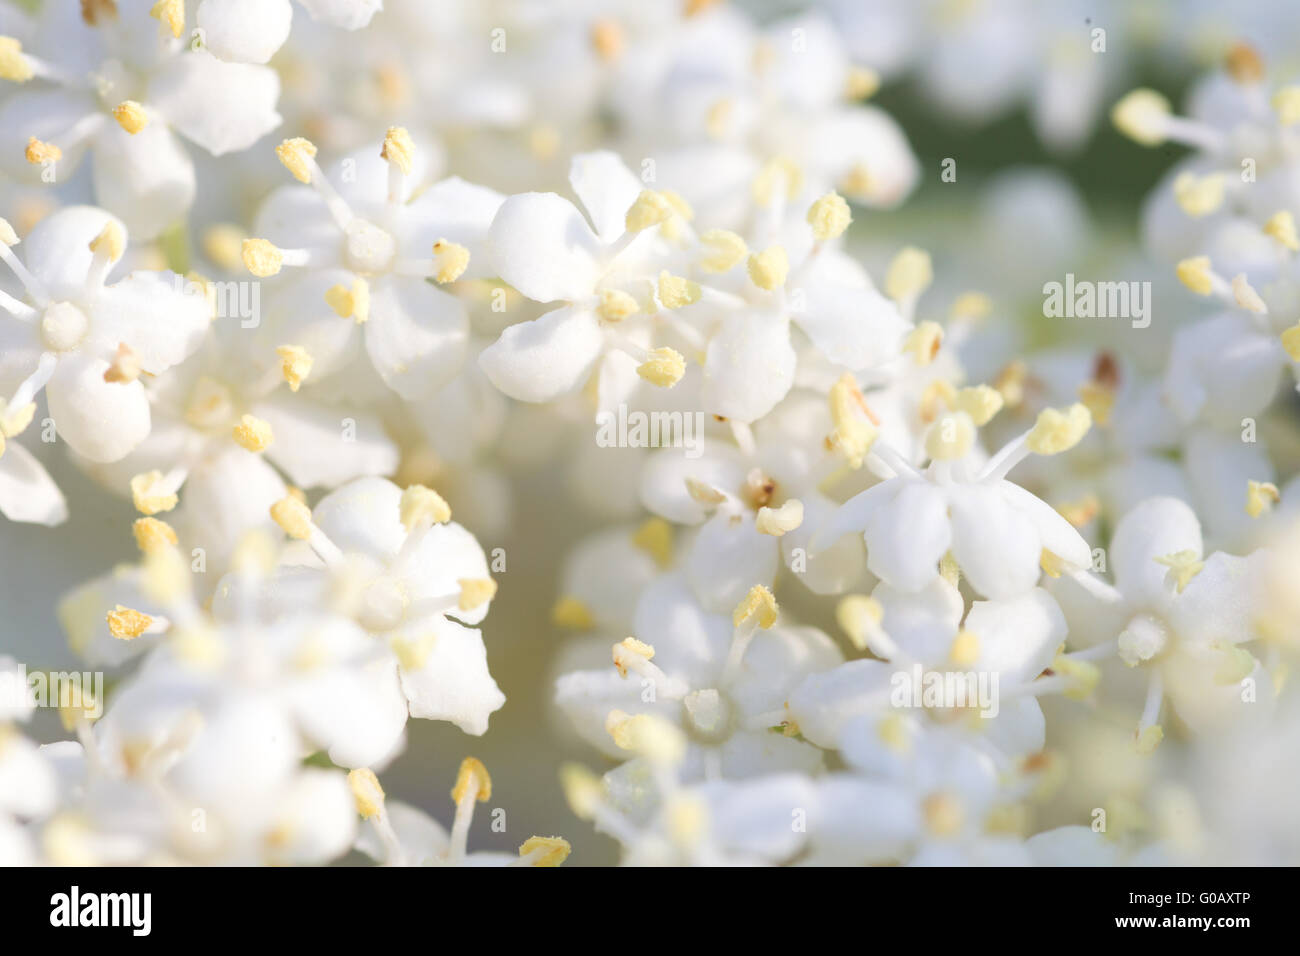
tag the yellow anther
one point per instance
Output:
(1051, 564)
(647, 736)
(13, 65)
(171, 14)
(676, 291)
(607, 39)
(350, 303)
(858, 181)
(703, 492)
(472, 780)
(420, 503)
(131, 116)
(1281, 226)
(779, 521)
(1147, 739)
(1010, 382)
(1246, 295)
(779, 176)
(39, 152)
(651, 208)
(111, 241)
(297, 154)
(1244, 64)
(859, 616)
(552, 851)
(252, 433)
(680, 206)
(758, 606)
(1235, 664)
(854, 434)
(7, 234)
(1099, 399)
(1261, 496)
(861, 83)
(725, 250)
(971, 305)
(950, 437)
(965, 649)
(655, 538)
(475, 592)
(543, 141)
(1287, 103)
(629, 651)
(144, 492)
(293, 517)
(1080, 512)
(923, 342)
(366, 792)
(71, 714)
(949, 570)
(1056, 431)
(892, 732)
(398, 148)
(221, 244)
(909, 274)
(829, 216)
(583, 790)
(664, 368)
(452, 260)
(1183, 566)
(1199, 195)
(572, 614)
(126, 624)
(1291, 342)
(1195, 273)
(980, 402)
(768, 269)
(937, 392)
(125, 366)
(261, 257)
(943, 813)
(295, 364)
(14, 421)
(1082, 676)
(615, 305)
(151, 534)
(1142, 116)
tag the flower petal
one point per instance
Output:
(416, 335)
(544, 248)
(223, 107)
(454, 683)
(545, 358)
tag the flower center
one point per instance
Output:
(63, 327)
(383, 606)
(369, 248)
(708, 715)
(1143, 638)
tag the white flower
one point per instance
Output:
(251, 31)
(86, 342)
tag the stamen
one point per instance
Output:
(923, 342)
(779, 521)
(451, 260)
(126, 624)
(910, 273)
(829, 216)
(769, 269)
(131, 116)
(295, 364)
(253, 433)
(13, 65)
(859, 616)
(853, 435)
(655, 537)
(1199, 195)
(152, 535)
(676, 292)
(543, 851)
(298, 156)
(475, 592)
(170, 14)
(615, 305)
(472, 785)
(420, 505)
(1261, 496)
(399, 151)
(39, 152)
(663, 367)
(572, 614)
(1281, 225)
(651, 208)
(724, 250)
(125, 366)
(1055, 431)
(151, 493)
(350, 303)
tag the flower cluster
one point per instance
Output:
(863, 556)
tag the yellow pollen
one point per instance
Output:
(943, 814)
(452, 260)
(554, 850)
(572, 614)
(1261, 496)
(965, 649)
(940, 390)
(1199, 195)
(862, 83)
(703, 492)
(126, 624)
(859, 616)
(664, 368)
(111, 242)
(759, 605)
(615, 305)
(1244, 64)
(125, 366)
(1281, 226)
(1235, 665)
(144, 494)
(646, 735)
(971, 305)
(680, 206)
(1287, 103)
(1183, 566)
(892, 732)
(583, 790)
(655, 538)
(923, 342)
(651, 208)
(1246, 295)
(1010, 382)
(607, 39)
(854, 434)
(39, 152)
(472, 778)
(151, 534)
(1195, 273)
(131, 116)
(398, 148)
(171, 14)
(627, 649)
(252, 433)
(980, 402)
(1099, 399)
(475, 592)
(295, 364)
(1142, 116)
(725, 249)
(1051, 564)
(1080, 512)
(293, 517)
(1147, 739)
(675, 291)
(858, 181)
(296, 154)
(829, 217)
(420, 503)
(221, 244)
(366, 792)
(950, 437)
(1056, 431)
(261, 258)
(768, 269)
(1291, 342)
(7, 234)
(775, 174)
(13, 65)
(1083, 676)
(779, 521)
(350, 303)
(909, 274)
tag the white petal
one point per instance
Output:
(150, 312)
(860, 821)
(1155, 528)
(586, 698)
(45, 114)
(856, 513)
(856, 328)
(906, 539)
(544, 248)
(416, 335)
(1018, 637)
(545, 358)
(146, 179)
(607, 190)
(101, 420)
(58, 249)
(663, 480)
(245, 31)
(727, 559)
(317, 819)
(996, 546)
(454, 683)
(1055, 534)
(318, 446)
(749, 367)
(344, 14)
(922, 623)
(823, 704)
(690, 644)
(446, 554)
(224, 107)
(458, 211)
(365, 516)
(27, 492)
